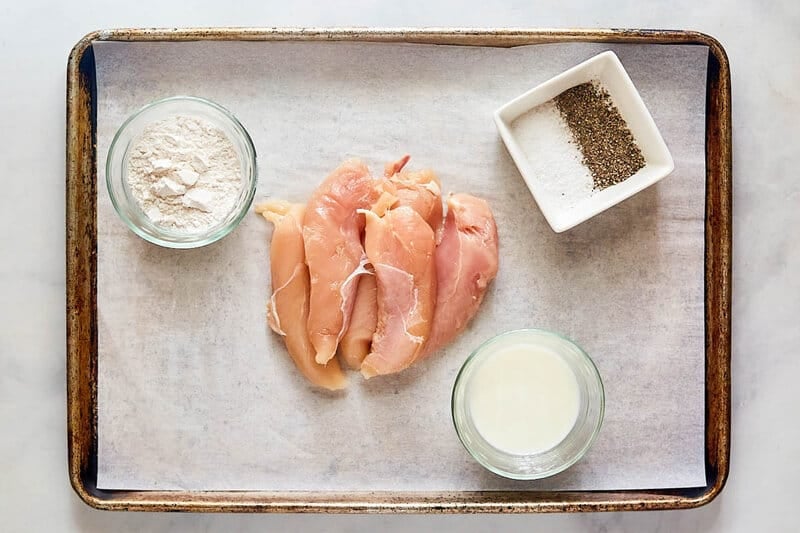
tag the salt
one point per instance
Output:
(552, 158)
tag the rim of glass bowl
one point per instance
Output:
(545, 473)
(205, 238)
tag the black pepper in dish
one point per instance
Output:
(609, 150)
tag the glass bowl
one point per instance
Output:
(550, 461)
(126, 205)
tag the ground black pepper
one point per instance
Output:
(609, 150)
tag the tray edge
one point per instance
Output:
(81, 267)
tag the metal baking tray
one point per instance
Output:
(81, 304)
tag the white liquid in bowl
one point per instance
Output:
(523, 399)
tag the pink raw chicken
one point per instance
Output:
(400, 246)
(419, 190)
(332, 236)
(466, 262)
(356, 341)
(287, 311)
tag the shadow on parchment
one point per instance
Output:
(595, 265)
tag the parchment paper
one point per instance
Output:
(194, 391)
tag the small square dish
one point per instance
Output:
(550, 159)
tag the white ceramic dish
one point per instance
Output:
(607, 69)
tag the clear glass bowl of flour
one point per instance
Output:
(181, 172)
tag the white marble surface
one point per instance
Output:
(763, 43)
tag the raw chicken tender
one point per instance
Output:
(332, 236)
(466, 262)
(370, 269)
(287, 311)
(400, 246)
(358, 338)
(419, 190)
(422, 192)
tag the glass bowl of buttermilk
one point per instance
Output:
(528, 404)
(181, 172)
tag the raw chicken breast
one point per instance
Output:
(332, 236)
(400, 246)
(422, 192)
(419, 190)
(356, 341)
(466, 262)
(287, 311)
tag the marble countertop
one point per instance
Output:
(763, 44)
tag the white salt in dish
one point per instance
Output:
(551, 166)
(555, 162)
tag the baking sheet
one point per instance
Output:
(195, 393)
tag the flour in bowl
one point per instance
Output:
(184, 173)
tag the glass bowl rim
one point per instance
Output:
(545, 473)
(205, 238)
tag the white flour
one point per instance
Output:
(554, 159)
(184, 173)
